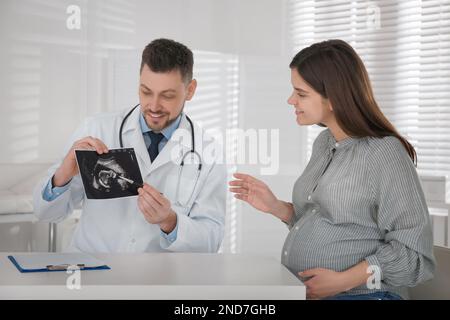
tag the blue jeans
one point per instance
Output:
(379, 295)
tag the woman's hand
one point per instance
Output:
(253, 191)
(257, 194)
(323, 283)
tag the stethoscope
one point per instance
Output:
(192, 151)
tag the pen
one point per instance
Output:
(64, 266)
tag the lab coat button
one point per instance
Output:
(314, 211)
(285, 253)
(309, 197)
(337, 145)
(296, 228)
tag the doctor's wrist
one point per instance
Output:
(60, 179)
(169, 224)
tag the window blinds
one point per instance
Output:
(215, 108)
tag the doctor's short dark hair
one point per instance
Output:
(165, 55)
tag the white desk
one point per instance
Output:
(166, 276)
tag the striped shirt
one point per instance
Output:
(361, 199)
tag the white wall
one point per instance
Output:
(53, 77)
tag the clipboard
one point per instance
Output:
(52, 262)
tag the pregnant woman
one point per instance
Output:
(358, 220)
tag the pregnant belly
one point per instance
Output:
(320, 244)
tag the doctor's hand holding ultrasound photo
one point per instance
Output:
(105, 173)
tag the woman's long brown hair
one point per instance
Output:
(337, 73)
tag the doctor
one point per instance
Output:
(176, 210)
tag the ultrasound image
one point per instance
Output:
(111, 175)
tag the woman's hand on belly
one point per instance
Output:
(324, 283)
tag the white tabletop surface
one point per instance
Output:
(166, 276)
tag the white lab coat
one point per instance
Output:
(117, 225)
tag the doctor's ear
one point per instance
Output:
(191, 89)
